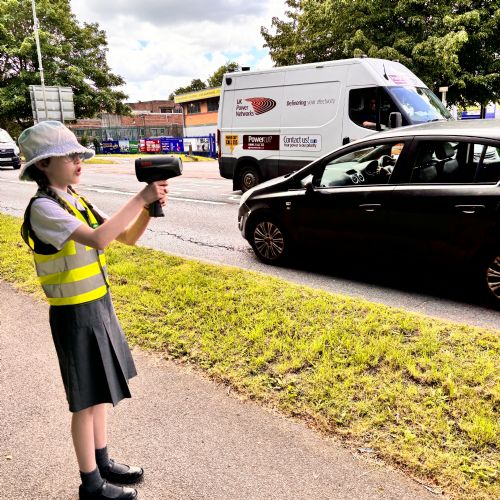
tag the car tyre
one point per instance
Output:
(487, 277)
(269, 240)
(249, 177)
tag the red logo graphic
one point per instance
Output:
(261, 104)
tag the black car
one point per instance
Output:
(428, 191)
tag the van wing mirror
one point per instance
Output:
(395, 119)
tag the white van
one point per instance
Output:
(275, 121)
(9, 152)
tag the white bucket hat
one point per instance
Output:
(45, 140)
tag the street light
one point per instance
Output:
(40, 66)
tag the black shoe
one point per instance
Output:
(108, 490)
(115, 473)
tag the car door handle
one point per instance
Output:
(470, 209)
(370, 207)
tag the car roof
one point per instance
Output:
(485, 129)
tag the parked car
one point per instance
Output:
(9, 152)
(428, 192)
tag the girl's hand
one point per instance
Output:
(156, 191)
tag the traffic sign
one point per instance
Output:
(52, 103)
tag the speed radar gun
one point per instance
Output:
(155, 169)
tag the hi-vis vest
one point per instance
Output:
(76, 273)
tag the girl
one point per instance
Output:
(67, 235)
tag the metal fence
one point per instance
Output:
(124, 133)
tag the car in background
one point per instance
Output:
(427, 193)
(9, 152)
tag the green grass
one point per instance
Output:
(424, 394)
(99, 160)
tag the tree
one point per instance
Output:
(196, 84)
(451, 43)
(215, 80)
(73, 55)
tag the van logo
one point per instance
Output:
(261, 105)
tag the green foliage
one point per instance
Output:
(196, 84)
(454, 44)
(214, 80)
(73, 55)
(422, 393)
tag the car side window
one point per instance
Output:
(368, 165)
(451, 162)
(486, 160)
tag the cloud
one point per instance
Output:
(165, 12)
(158, 46)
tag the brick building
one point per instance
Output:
(148, 119)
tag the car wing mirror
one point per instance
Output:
(395, 120)
(310, 188)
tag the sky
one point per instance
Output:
(160, 45)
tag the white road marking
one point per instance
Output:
(191, 200)
(128, 193)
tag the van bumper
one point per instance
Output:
(226, 167)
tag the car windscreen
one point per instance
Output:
(419, 104)
(4, 136)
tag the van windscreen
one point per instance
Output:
(419, 104)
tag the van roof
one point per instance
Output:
(384, 71)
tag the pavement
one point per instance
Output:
(195, 439)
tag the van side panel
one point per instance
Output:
(311, 122)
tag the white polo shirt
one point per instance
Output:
(53, 224)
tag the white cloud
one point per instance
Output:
(158, 46)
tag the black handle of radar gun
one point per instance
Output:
(155, 210)
(154, 169)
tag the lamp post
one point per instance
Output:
(40, 66)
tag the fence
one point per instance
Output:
(199, 145)
(88, 134)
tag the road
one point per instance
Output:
(201, 223)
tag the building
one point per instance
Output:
(154, 107)
(148, 119)
(199, 110)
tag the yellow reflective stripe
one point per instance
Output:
(68, 249)
(72, 275)
(31, 243)
(79, 299)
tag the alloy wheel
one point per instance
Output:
(269, 242)
(493, 277)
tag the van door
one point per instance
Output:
(311, 115)
(367, 111)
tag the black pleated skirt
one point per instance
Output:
(94, 357)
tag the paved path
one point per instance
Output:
(194, 439)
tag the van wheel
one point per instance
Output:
(249, 177)
(269, 240)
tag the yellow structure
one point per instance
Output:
(200, 110)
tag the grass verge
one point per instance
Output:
(423, 394)
(99, 160)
